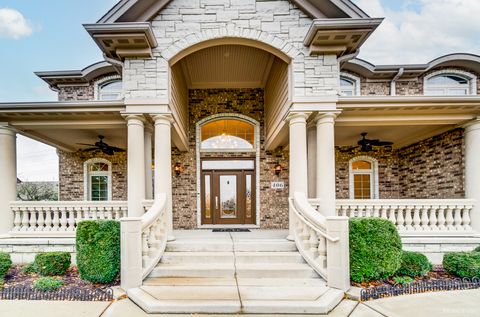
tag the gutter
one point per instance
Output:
(393, 86)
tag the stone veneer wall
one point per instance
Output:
(71, 176)
(81, 92)
(248, 102)
(432, 168)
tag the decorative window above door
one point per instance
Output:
(227, 135)
(98, 180)
(363, 178)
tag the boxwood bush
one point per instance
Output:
(5, 264)
(375, 249)
(477, 249)
(52, 263)
(414, 264)
(98, 250)
(462, 264)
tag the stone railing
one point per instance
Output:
(60, 218)
(414, 216)
(322, 241)
(143, 242)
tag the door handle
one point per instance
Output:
(216, 202)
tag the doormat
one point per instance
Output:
(231, 230)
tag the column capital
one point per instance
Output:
(164, 118)
(472, 125)
(134, 118)
(326, 117)
(298, 117)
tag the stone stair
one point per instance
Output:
(234, 273)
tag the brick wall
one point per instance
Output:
(71, 176)
(84, 92)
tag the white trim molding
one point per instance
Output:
(373, 172)
(472, 79)
(87, 174)
(356, 83)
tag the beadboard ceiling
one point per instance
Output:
(227, 66)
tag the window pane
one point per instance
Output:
(98, 167)
(362, 186)
(248, 195)
(228, 134)
(447, 84)
(207, 198)
(111, 90)
(361, 165)
(228, 196)
(99, 188)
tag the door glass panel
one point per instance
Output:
(228, 196)
(208, 209)
(99, 188)
(248, 195)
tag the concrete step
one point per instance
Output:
(269, 270)
(266, 245)
(200, 245)
(268, 257)
(193, 270)
(197, 257)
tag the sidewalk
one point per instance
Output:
(439, 304)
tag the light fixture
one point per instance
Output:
(177, 168)
(278, 169)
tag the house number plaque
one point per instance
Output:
(278, 185)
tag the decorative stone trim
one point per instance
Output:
(86, 175)
(374, 186)
(472, 79)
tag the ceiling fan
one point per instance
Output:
(367, 144)
(102, 146)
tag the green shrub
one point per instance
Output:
(5, 264)
(48, 284)
(98, 250)
(52, 263)
(375, 249)
(414, 264)
(2, 283)
(462, 264)
(477, 249)
(403, 279)
(29, 269)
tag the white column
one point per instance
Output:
(136, 165)
(472, 169)
(163, 164)
(8, 176)
(326, 163)
(148, 163)
(298, 160)
(312, 161)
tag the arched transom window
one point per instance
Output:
(227, 134)
(110, 90)
(448, 84)
(98, 180)
(363, 178)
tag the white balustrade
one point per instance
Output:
(322, 241)
(413, 216)
(60, 218)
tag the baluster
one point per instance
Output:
(313, 243)
(79, 215)
(449, 218)
(425, 218)
(145, 248)
(466, 218)
(305, 236)
(63, 219)
(17, 220)
(433, 218)
(111, 211)
(408, 218)
(94, 212)
(368, 212)
(337, 210)
(41, 219)
(457, 218)
(48, 219)
(400, 218)
(384, 210)
(441, 218)
(55, 221)
(25, 213)
(118, 213)
(322, 252)
(417, 221)
(71, 219)
(32, 221)
(392, 217)
(376, 211)
(152, 240)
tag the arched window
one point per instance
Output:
(110, 90)
(363, 178)
(227, 134)
(98, 180)
(349, 85)
(450, 84)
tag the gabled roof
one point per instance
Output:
(145, 10)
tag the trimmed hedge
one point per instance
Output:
(52, 263)
(98, 250)
(462, 264)
(375, 249)
(477, 249)
(5, 264)
(414, 264)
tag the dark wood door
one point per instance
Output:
(228, 197)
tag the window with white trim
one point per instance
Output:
(448, 84)
(227, 134)
(349, 85)
(110, 90)
(363, 178)
(98, 180)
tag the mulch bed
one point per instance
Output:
(71, 280)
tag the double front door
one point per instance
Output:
(228, 192)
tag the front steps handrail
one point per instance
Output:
(322, 241)
(143, 242)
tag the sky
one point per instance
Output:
(48, 35)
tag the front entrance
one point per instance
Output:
(228, 192)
